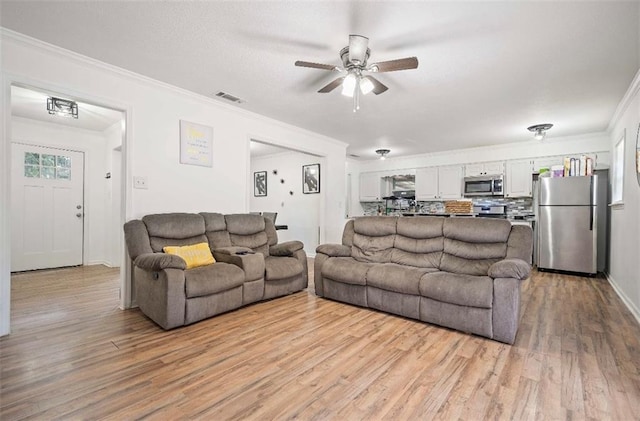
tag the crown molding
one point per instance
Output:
(628, 97)
(25, 40)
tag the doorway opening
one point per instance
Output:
(278, 189)
(85, 152)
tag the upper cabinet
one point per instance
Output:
(427, 183)
(436, 183)
(484, 168)
(370, 187)
(518, 181)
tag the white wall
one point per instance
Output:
(114, 233)
(153, 112)
(92, 143)
(300, 212)
(624, 266)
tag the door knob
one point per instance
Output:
(79, 215)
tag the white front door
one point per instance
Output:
(47, 207)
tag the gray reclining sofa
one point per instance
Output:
(461, 273)
(250, 265)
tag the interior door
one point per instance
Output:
(47, 207)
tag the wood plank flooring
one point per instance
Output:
(73, 355)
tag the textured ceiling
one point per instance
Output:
(487, 69)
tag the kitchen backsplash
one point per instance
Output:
(515, 206)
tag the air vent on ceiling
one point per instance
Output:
(230, 97)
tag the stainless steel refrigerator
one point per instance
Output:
(572, 223)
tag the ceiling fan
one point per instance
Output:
(354, 63)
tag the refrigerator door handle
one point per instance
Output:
(591, 203)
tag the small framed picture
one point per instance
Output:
(311, 178)
(260, 183)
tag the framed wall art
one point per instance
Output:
(260, 183)
(196, 144)
(311, 178)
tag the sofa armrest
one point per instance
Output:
(334, 250)
(158, 261)
(251, 263)
(287, 248)
(510, 268)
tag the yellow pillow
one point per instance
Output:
(195, 255)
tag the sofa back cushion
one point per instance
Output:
(216, 230)
(373, 239)
(419, 242)
(472, 245)
(174, 229)
(247, 230)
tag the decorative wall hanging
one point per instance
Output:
(311, 178)
(260, 183)
(196, 144)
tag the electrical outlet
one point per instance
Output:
(140, 182)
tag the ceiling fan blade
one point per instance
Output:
(331, 86)
(358, 46)
(378, 87)
(394, 65)
(315, 65)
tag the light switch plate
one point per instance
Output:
(140, 182)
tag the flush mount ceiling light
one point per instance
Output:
(62, 107)
(383, 153)
(540, 130)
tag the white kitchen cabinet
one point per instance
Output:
(370, 187)
(434, 183)
(518, 181)
(450, 182)
(484, 168)
(427, 183)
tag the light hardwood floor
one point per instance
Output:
(73, 354)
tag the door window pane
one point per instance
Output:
(48, 172)
(63, 161)
(31, 158)
(48, 160)
(64, 174)
(32, 171)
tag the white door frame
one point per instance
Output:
(6, 81)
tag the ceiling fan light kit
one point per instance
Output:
(354, 59)
(539, 130)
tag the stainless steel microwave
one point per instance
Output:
(485, 185)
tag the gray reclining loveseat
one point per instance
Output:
(462, 273)
(250, 265)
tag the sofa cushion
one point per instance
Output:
(346, 270)
(278, 267)
(397, 278)
(372, 249)
(460, 289)
(245, 223)
(212, 279)
(216, 230)
(471, 247)
(174, 229)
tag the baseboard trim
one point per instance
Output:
(100, 262)
(627, 302)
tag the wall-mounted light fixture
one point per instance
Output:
(62, 107)
(383, 153)
(539, 130)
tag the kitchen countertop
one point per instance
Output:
(469, 215)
